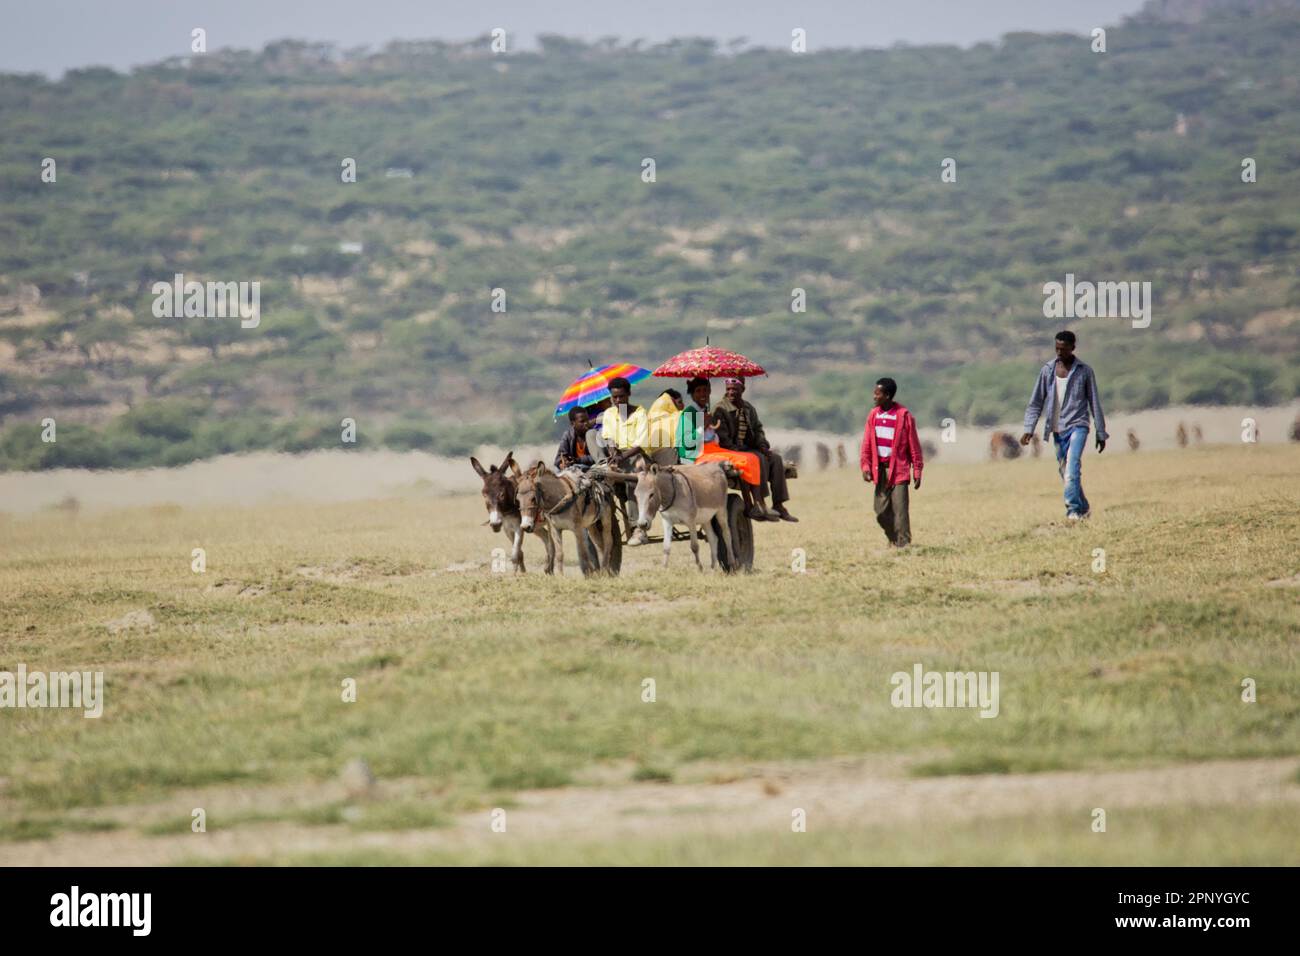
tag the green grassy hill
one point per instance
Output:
(522, 172)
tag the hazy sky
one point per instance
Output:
(51, 36)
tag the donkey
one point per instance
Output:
(1003, 445)
(566, 502)
(500, 495)
(689, 495)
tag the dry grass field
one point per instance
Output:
(478, 691)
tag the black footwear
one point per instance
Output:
(786, 516)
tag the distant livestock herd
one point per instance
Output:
(1003, 445)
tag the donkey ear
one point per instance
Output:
(514, 468)
(479, 468)
(508, 460)
(654, 468)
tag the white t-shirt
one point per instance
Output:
(1060, 400)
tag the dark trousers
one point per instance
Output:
(891, 509)
(773, 475)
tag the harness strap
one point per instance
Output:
(666, 502)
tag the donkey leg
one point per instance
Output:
(726, 539)
(557, 543)
(668, 535)
(606, 542)
(695, 543)
(549, 544)
(713, 545)
(588, 542)
(517, 548)
(584, 563)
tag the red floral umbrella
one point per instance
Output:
(709, 362)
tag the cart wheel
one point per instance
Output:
(738, 553)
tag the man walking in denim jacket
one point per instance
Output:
(1065, 393)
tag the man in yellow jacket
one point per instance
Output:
(625, 431)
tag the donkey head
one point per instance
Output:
(650, 487)
(499, 494)
(530, 496)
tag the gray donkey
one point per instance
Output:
(568, 502)
(690, 495)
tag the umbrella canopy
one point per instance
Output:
(709, 362)
(592, 386)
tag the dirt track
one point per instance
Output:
(754, 798)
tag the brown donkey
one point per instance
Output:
(500, 495)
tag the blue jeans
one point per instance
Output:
(1069, 461)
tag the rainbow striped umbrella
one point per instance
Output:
(593, 386)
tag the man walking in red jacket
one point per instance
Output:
(891, 454)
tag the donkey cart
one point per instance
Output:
(734, 552)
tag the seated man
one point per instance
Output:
(697, 442)
(573, 452)
(624, 427)
(625, 432)
(595, 433)
(740, 430)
